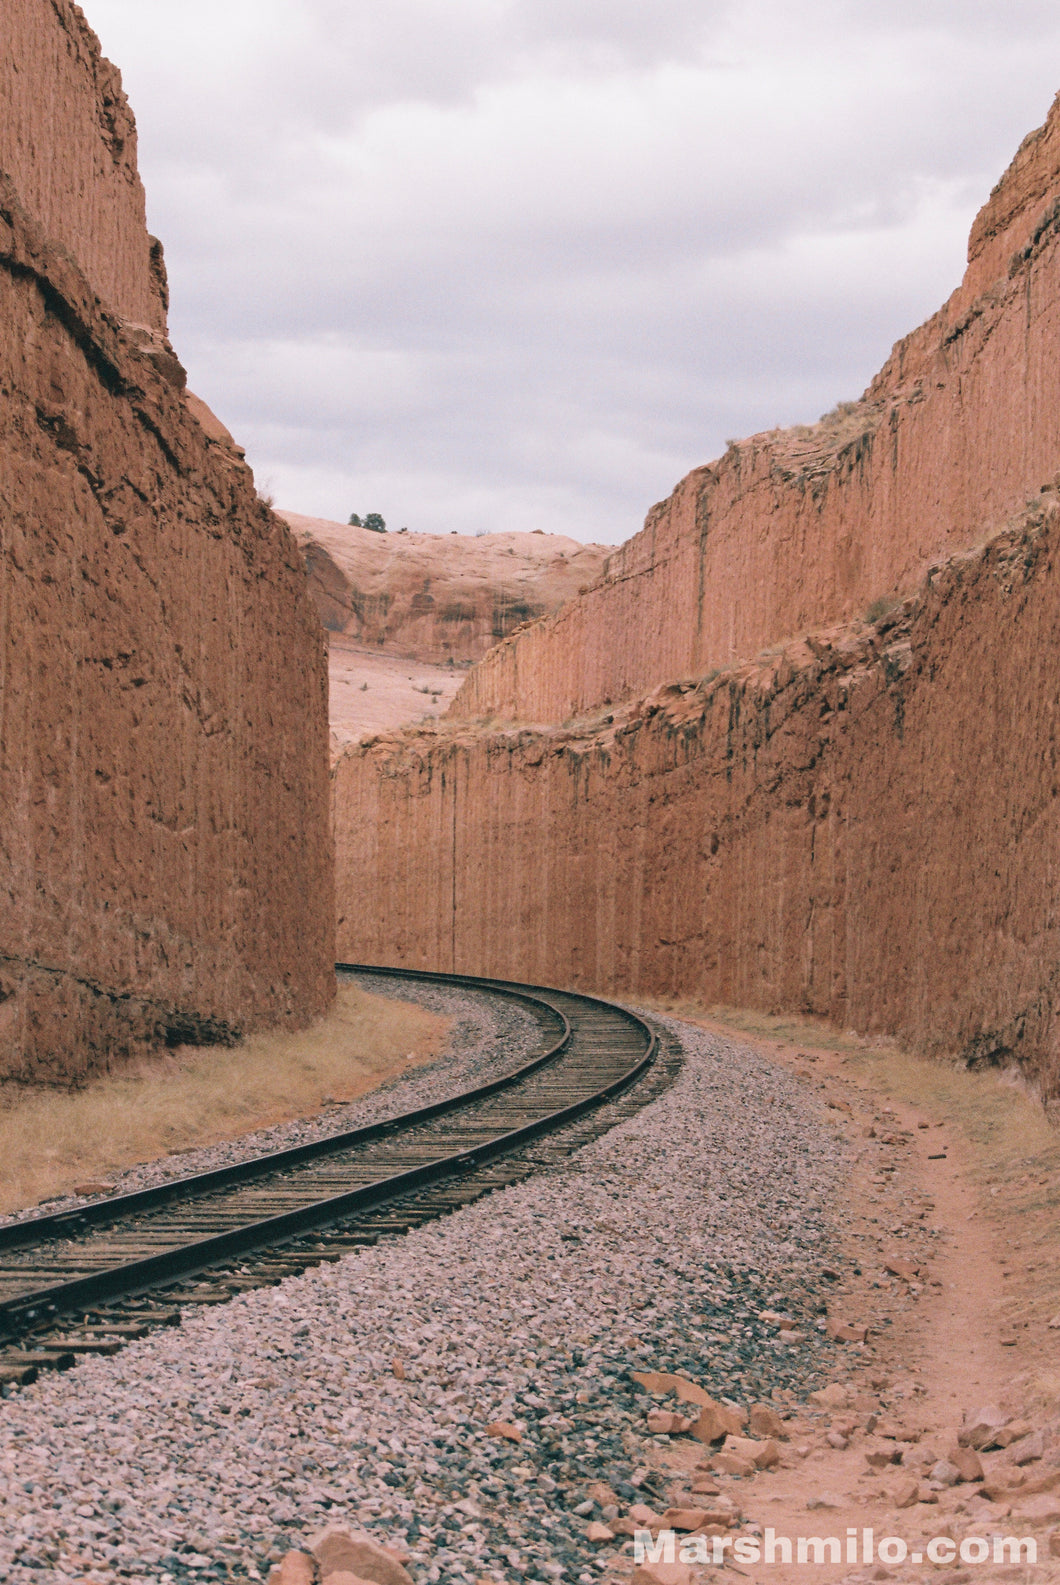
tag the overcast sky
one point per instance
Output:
(496, 264)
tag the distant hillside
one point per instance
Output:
(438, 598)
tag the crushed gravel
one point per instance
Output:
(488, 1037)
(203, 1453)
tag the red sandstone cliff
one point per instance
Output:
(861, 824)
(164, 852)
(801, 527)
(68, 145)
(858, 822)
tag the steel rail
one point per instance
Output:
(184, 1260)
(62, 1224)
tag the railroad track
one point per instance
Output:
(88, 1280)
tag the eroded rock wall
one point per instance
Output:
(165, 861)
(797, 528)
(68, 145)
(861, 825)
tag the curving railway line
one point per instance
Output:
(88, 1280)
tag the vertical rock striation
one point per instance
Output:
(861, 825)
(165, 863)
(797, 528)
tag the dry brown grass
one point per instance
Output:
(1005, 1126)
(50, 1141)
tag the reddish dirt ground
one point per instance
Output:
(956, 1190)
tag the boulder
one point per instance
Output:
(966, 1461)
(981, 1428)
(834, 1396)
(660, 1383)
(505, 1430)
(843, 1332)
(1043, 1509)
(717, 1421)
(906, 1493)
(1028, 1449)
(764, 1421)
(763, 1455)
(733, 1464)
(297, 1568)
(722, 1514)
(662, 1574)
(339, 1550)
(661, 1422)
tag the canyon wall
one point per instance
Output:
(437, 598)
(859, 822)
(165, 858)
(860, 825)
(797, 528)
(68, 145)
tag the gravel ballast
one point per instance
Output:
(203, 1452)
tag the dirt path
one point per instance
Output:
(951, 1226)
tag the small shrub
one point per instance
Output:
(880, 607)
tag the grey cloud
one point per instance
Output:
(505, 256)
